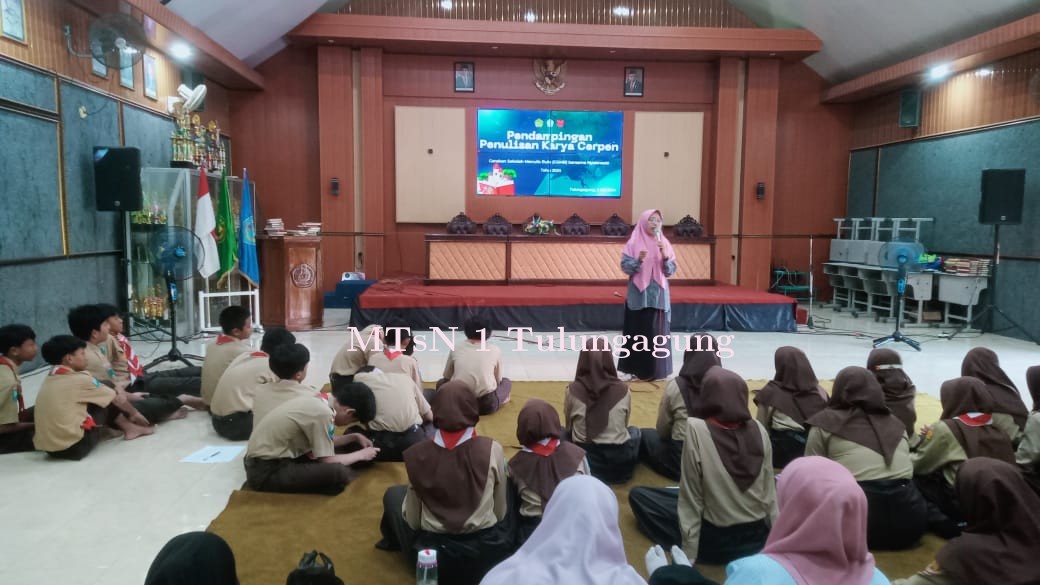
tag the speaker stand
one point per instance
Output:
(897, 335)
(174, 355)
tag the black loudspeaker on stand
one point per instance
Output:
(117, 178)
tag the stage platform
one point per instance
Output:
(720, 307)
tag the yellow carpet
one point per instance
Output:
(269, 532)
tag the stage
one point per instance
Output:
(719, 307)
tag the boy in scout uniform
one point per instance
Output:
(248, 374)
(237, 325)
(289, 364)
(390, 407)
(17, 346)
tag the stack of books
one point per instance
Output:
(967, 266)
(307, 228)
(275, 227)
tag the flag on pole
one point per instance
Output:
(205, 225)
(247, 261)
(226, 242)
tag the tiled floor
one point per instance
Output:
(102, 520)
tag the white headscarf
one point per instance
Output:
(578, 542)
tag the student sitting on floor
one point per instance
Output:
(1000, 543)
(820, 535)
(479, 364)
(899, 389)
(1009, 411)
(577, 543)
(858, 431)
(596, 409)
(246, 376)
(726, 499)
(185, 383)
(72, 406)
(88, 322)
(193, 558)
(396, 356)
(1028, 453)
(293, 448)
(355, 352)
(966, 430)
(389, 406)
(786, 403)
(289, 362)
(661, 448)
(542, 463)
(457, 498)
(17, 346)
(237, 325)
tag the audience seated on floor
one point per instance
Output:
(394, 413)
(1028, 453)
(899, 389)
(17, 346)
(787, 402)
(289, 362)
(396, 355)
(237, 326)
(1009, 411)
(246, 376)
(355, 352)
(478, 363)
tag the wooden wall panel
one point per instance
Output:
(335, 134)
(668, 155)
(430, 164)
(728, 128)
(760, 140)
(373, 161)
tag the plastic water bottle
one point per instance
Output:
(426, 567)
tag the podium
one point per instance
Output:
(290, 282)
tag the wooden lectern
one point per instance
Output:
(290, 282)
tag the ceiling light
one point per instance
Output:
(984, 72)
(939, 71)
(622, 11)
(530, 16)
(180, 50)
(447, 4)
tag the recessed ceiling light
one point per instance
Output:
(622, 11)
(939, 71)
(530, 16)
(180, 50)
(984, 72)
(447, 4)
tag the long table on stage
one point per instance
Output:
(516, 259)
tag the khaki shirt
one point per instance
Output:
(1029, 449)
(10, 388)
(271, 396)
(671, 414)
(117, 357)
(61, 408)
(402, 364)
(295, 428)
(863, 463)
(1006, 423)
(940, 450)
(353, 356)
(480, 370)
(247, 375)
(491, 510)
(399, 404)
(99, 365)
(616, 432)
(708, 492)
(531, 504)
(219, 356)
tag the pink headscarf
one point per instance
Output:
(820, 534)
(640, 241)
(578, 541)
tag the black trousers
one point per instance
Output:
(462, 559)
(679, 575)
(897, 514)
(392, 445)
(648, 323)
(186, 380)
(663, 455)
(103, 416)
(944, 513)
(657, 516)
(236, 426)
(787, 446)
(296, 476)
(157, 408)
(18, 441)
(613, 464)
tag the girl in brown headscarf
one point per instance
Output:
(456, 500)
(966, 431)
(1001, 540)
(726, 500)
(1028, 454)
(787, 401)
(899, 390)
(596, 408)
(661, 448)
(542, 463)
(858, 431)
(1009, 411)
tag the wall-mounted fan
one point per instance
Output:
(174, 253)
(904, 256)
(188, 99)
(117, 40)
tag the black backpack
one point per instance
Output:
(315, 569)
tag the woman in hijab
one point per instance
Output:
(542, 463)
(787, 402)
(1028, 454)
(456, 500)
(1009, 411)
(899, 390)
(858, 431)
(726, 499)
(820, 536)
(966, 430)
(1001, 541)
(194, 558)
(648, 260)
(577, 543)
(661, 448)
(596, 408)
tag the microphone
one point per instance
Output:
(657, 233)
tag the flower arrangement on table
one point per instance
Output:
(539, 226)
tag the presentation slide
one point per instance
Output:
(549, 153)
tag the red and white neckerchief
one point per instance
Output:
(451, 439)
(17, 389)
(723, 425)
(545, 447)
(62, 370)
(976, 419)
(133, 363)
(222, 339)
(392, 355)
(258, 354)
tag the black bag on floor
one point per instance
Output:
(315, 569)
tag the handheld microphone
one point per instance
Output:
(657, 233)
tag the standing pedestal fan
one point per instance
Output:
(174, 253)
(902, 255)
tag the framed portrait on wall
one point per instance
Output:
(12, 19)
(633, 82)
(465, 77)
(151, 84)
(126, 70)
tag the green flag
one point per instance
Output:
(227, 245)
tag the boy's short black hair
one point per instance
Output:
(233, 317)
(274, 337)
(85, 319)
(357, 396)
(474, 324)
(56, 348)
(14, 335)
(288, 360)
(109, 310)
(390, 333)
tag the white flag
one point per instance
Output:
(205, 228)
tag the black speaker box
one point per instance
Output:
(117, 178)
(1002, 194)
(910, 108)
